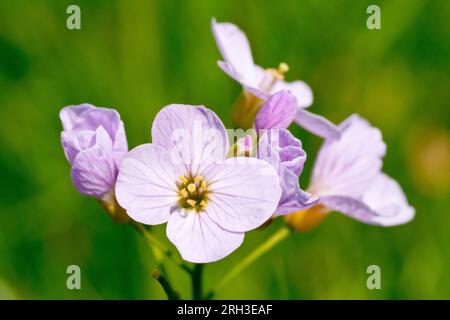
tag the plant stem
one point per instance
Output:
(259, 251)
(197, 274)
(170, 292)
(153, 242)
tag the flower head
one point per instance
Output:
(183, 178)
(260, 84)
(347, 176)
(94, 143)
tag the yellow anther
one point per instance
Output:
(203, 185)
(184, 193)
(191, 202)
(202, 203)
(183, 179)
(191, 187)
(283, 68)
(198, 178)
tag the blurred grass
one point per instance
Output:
(137, 56)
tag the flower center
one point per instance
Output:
(193, 192)
(273, 75)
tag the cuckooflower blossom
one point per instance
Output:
(94, 143)
(183, 178)
(284, 152)
(347, 177)
(259, 84)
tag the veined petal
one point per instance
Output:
(120, 148)
(293, 198)
(250, 81)
(317, 125)
(244, 193)
(284, 152)
(70, 114)
(199, 239)
(348, 165)
(383, 203)
(93, 118)
(193, 135)
(93, 170)
(146, 184)
(386, 197)
(299, 89)
(74, 142)
(277, 112)
(234, 47)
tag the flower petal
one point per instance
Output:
(146, 184)
(277, 112)
(348, 165)
(284, 152)
(199, 239)
(234, 47)
(244, 193)
(93, 118)
(317, 125)
(193, 135)
(386, 197)
(299, 89)
(293, 198)
(70, 114)
(74, 142)
(384, 204)
(93, 170)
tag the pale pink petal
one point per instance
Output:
(384, 204)
(244, 193)
(70, 114)
(120, 148)
(192, 135)
(317, 125)
(93, 171)
(234, 47)
(146, 184)
(386, 197)
(251, 81)
(277, 112)
(299, 89)
(199, 239)
(348, 165)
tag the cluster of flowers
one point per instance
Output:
(209, 193)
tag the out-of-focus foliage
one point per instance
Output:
(137, 56)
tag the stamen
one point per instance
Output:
(191, 187)
(283, 68)
(183, 179)
(191, 202)
(202, 203)
(184, 193)
(198, 178)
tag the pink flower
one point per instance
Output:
(347, 177)
(94, 143)
(262, 83)
(183, 178)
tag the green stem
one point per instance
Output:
(259, 251)
(197, 282)
(170, 292)
(153, 242)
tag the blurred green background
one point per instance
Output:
(137, 56)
